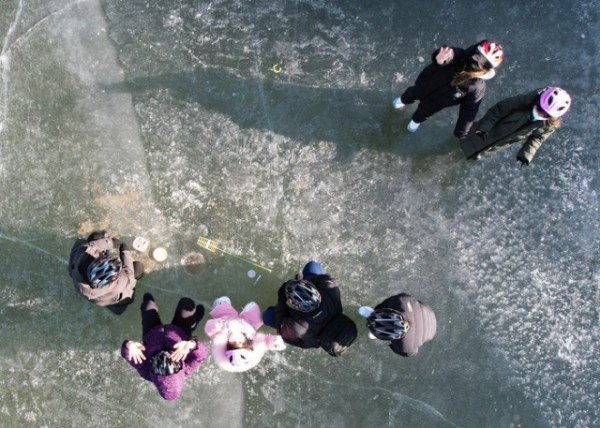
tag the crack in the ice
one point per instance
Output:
(417, 404)
(41, 21)
(401, 398)
(66, 262)
(33, 247)
(5, 65)
(7, 46)
(95, 398)
(12, 27)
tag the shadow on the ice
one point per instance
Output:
(43, 303)
(46, 313)
(353, 118)
(458, 379)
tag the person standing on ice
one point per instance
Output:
(168, 353)
(455, 77)
(407, 323)
(235, 343)
(308, 313)
(528, 118)
(101, 274)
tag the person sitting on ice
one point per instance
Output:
(168, 353)
(527, 119)
(308, 313)
(404, 321)
(235, 343)
(103, 271)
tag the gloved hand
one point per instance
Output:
(524, 162)
(481, 134)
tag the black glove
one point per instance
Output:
(523, 161)
(481, 134)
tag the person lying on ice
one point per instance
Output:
(103, 271)
(527, 119)
(308, 313)
(235, 343)
(404, 321)
(168, 354)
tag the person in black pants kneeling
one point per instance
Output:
(308, 313)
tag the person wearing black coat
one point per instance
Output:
(321, 323)
(407, 323)
(456, 76)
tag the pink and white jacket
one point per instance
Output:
(227, 325)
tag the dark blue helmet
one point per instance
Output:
(387, 324)
(105, 269)
(302, 295)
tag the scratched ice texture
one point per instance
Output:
(267, 126)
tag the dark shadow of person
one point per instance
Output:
(354, 118)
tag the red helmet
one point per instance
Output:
(493, 52)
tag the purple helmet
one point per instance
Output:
(555, 101)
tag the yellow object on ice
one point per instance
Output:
(213, 246)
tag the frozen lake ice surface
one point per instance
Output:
(267, 126)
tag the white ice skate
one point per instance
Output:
(365, 311)
(249, 306)
(413, 126)
(398, 104)
(220, 300)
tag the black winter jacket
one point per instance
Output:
(510, 122)
(303, 329)
(422, 322)
(434, 89)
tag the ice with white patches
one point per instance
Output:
(166, 119)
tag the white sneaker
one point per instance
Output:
(413, 126)
(220, 300)
(365, 311)
(371, 336)
(398, 104)
(249, 306)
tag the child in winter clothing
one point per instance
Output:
(236, 345)
(102, 275)
(308, 313)
(528, 118)
(455, 77)
(168, 354)
(403, 320)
